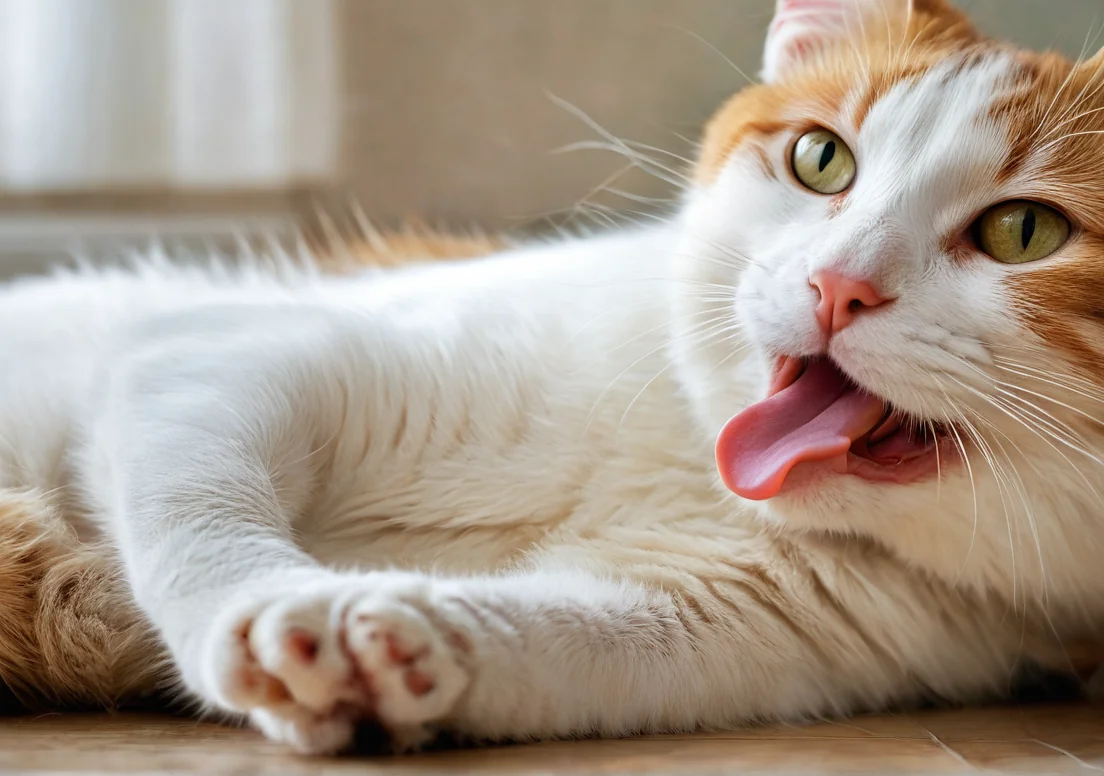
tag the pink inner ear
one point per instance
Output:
(795, 10)
(798, 28)
(802, 46)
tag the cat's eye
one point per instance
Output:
(1020, 231)
(823, 162)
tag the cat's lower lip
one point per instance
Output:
(930, 463)
(919, 469)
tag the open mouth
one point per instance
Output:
(816, 419)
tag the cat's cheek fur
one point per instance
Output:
(1060, 301)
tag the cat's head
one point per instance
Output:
(899, 236)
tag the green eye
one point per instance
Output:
(823, 162)
(1019, 232)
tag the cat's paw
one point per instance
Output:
(308, 666)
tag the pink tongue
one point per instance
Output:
(816, 419)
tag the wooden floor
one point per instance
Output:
(1028, 739)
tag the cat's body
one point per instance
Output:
(483, 496)
(560, 441)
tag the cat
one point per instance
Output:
(824, 441)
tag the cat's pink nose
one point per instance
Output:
(842, 299)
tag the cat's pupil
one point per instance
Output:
(1028, 227)
(828, 154)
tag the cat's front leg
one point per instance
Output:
(517, 657)
(525, 656)
(561, 653)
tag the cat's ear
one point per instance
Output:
(802, 27)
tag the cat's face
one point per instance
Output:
(912, 213)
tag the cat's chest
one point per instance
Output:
(482, 500)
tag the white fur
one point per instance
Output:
(503, 468)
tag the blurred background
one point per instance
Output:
(200, 121)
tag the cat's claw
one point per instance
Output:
(309, 666)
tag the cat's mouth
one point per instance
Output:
(815, 419)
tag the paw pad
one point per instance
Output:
(302, 645)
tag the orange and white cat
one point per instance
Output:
(828, 440)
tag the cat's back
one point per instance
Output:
(87, 306)
(59, 331)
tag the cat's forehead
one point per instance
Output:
(935, 108)
(1020, 89)
(932, 139)
(993, 121)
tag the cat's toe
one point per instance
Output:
(299, 641)
(408, 662)
(281, 659)
(230, 674)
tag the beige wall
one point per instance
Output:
(446, 111)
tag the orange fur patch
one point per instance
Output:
(1060, 294)
(70, 636)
